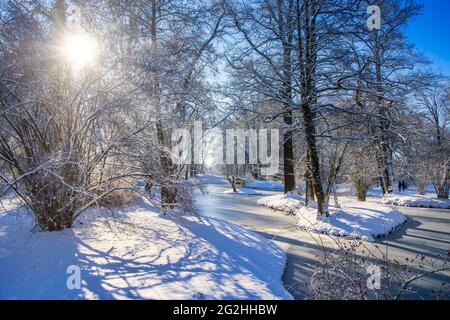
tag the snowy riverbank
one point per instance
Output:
(425, 201)
(137, 254)
(362, 220)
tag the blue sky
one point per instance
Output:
(430, 32)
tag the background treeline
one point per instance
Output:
(353, 104)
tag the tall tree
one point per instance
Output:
(267, 27)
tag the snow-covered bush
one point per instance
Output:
(59, 131)
(360, 271)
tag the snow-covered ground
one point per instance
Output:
(137, 254)
(426, 201)
(287, 203)
(243, 191)
(362, 220)
(264, 185)
(407, 198)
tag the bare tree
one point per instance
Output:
(265, 64)
(434, 148)
(58, 124)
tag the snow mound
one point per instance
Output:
(415, 201)
(288, 203)
(360, 220)
(138, 253)
(243, 191)
(265, 185)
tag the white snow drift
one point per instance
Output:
(362, 220)
(416, 201)
(287, 203)
(140, 254)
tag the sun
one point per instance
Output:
(80, 50)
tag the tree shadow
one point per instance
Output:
(214, 255)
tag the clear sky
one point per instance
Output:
(430, 32)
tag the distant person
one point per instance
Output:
(404, 186)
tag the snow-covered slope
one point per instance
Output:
(139, 254)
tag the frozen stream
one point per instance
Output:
(427, 233)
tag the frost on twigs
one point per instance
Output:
(360, 271)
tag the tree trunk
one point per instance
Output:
(443, 193)
(288, 159)
(420, 189)
(385, 165)
(335, 196)
(361, 190)
(286, 30)
(383, 139)
(309, 192)
(307, 52)
(442, 190)
(168, 191)
(233, 183)
(314, 163)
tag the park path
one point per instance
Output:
(427, 233)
